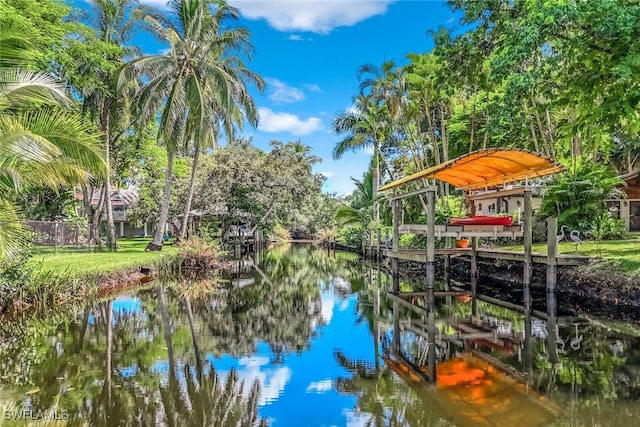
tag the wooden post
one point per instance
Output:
(447, 272)
(431, 258)
(526, 276)
(552, 273)
(378, 246)
(431, 238)
(395, 210)
(395, 275)
(474, 276)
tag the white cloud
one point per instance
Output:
(319, 387)
(450, 20)
(312, 87)
(327, 174)
(298, 38)
(272, 121)
(280, 92)
(317, 16)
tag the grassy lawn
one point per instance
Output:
(626, 253)
(72, 260)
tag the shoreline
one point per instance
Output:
(580, 290)
(595, 290)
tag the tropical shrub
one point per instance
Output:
(452, 207)
(280, 233)
(606, 227)
(198, 254)
(352, 236)
(578, 197)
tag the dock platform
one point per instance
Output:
(420, 255)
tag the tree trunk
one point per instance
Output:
(187, 205)
(106, 128)
(552, 151)
(158, 238)
(534, 137)
(445, 144)
(376, 182)
(473, 120)
(94, 214)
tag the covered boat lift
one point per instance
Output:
(481, 169)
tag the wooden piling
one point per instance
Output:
(395, 210)
(526, 276)
(431, 238)
(395, 275)
(552, 273)
(431, 258)
(474, 276)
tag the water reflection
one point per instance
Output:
(301, 336)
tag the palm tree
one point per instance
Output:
(384, 85)
(230, 101)
(366, 126)
(42, 142)
(195, 85)
(114, 22)
(358, 211)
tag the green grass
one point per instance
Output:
(625, 253)
(130, 254)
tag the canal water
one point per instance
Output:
(300, 336)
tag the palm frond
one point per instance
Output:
(21, 88)
(13, 236)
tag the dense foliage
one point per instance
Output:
(555, 77)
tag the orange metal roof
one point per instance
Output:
(486, 168)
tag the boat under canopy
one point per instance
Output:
(483, 220)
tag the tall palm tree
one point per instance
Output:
(196, 85)
(367, 126)
(42, 141)
(231, 104)
(385, 85)
(114, 22)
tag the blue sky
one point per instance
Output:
(308, 51)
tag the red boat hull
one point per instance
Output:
(483, 220)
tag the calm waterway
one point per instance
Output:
(300, 336)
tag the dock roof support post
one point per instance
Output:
(431, 258)
(526, 277)
(431, 238)
(395, 210)
(552, 275)
(474, 277)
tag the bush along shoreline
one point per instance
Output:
(27, 288)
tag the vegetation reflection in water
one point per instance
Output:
(287, 338)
